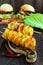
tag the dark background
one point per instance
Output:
(38, 4)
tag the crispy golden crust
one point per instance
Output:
(20, 27)
(20, 39)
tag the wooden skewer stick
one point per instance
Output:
(34, 31)
(37, 32)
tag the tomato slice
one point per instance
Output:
(14, 20)
(0, 19)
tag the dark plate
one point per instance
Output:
(21, 60)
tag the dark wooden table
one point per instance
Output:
(21, 60)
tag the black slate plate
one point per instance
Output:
(21, 60)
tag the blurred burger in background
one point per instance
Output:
(6, 12)
(26, 9)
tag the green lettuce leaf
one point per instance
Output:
(9, 15)
(21, 15)
(34, 20)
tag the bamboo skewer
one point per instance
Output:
(37, 32)
(33, 31)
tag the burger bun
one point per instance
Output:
(6, 7)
